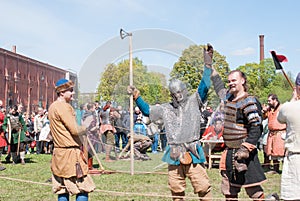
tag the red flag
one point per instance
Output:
(281, 58)
(277, 59)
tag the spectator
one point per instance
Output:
(288, 114)
(153, 132)
(136, 113)
(275, 143)
(30, 129)
(107, 129)
(89, 120)
(206, 119)
(120, 128)
(99, 145)
(141, 144)
(163, 138)
(264, 138)
(215, 132)
(39, 121)
(17, 129)
(3, 142)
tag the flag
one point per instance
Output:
(278, 59)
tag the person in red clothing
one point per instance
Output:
(215, 132)
(275, 142)
(3, 142)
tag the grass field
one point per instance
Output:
(149, 182)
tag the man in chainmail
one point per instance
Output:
(239, 165)
(182, 118)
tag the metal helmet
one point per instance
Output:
(178, 91)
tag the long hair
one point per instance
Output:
(245, 85)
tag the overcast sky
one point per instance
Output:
(83, 35)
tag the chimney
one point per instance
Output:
(14, 49)
(261, 48)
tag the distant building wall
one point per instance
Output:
(28, 81)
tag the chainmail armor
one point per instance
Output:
(182, 124)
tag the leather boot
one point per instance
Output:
(90, 163)
(205, 196)
(261, 197)
(107, 153)
(14, 157)
(231, 197)
(276, 165)
(181, 194)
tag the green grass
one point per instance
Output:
(28, 182)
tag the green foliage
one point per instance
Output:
(115, 79)
(263, 79)
(190, 66)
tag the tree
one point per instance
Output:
(262, 80)
(189, 69)
(115, 79)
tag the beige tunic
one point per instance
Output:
(66, 137)
(65, 132)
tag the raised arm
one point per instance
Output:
(144, 107)
(215, 77)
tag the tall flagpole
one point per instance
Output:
(124, 34)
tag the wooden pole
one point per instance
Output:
(94, 152)
(124, 34)
(131, 107)
(287, 78)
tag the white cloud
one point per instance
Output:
(243, 52)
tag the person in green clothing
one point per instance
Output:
(15, 125)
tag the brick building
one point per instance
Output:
(28, 81)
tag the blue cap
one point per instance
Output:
(63, 84)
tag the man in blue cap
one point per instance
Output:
(69, 167)
(289, 114)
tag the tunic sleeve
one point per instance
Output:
(68, 117)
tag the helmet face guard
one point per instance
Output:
(178, 91)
